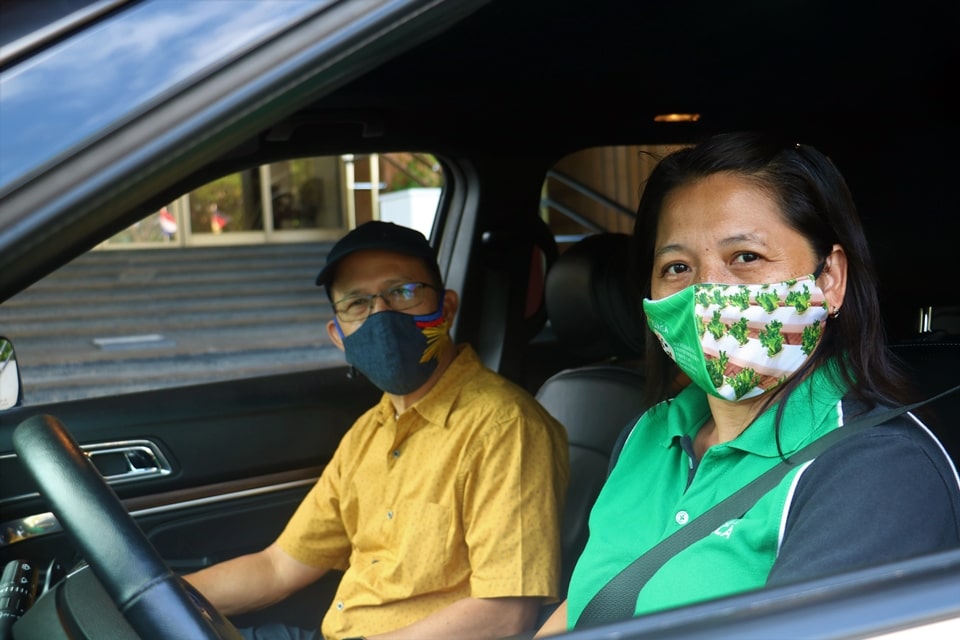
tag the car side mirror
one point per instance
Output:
(11, 389)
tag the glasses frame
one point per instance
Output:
(372, 297)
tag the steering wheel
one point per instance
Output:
(154, 600)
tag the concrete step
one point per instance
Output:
(118, 321)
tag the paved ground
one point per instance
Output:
(129, 320)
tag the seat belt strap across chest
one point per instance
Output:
(617, 600)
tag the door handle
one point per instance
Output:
(128, 460)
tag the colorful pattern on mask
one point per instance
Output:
(751, 338)
(435, 331)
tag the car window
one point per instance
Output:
(597, 190)
(217, 284)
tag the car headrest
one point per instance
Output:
(590, 303)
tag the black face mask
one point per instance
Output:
(396, 351)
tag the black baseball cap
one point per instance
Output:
(385, 236)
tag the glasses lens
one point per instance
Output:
(404, 296)
(354, 308)
(398, 298)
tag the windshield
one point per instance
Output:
(74, 90)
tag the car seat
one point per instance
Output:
(592, 314)
(512, 310)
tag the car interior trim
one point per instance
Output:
(118, 462)
(41, 524)
(213, 494)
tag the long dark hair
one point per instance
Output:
(816, 202)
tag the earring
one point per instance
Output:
(835, 314)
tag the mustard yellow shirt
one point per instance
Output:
(461, 497)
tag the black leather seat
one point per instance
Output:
(590, 312)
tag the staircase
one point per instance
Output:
(119, 321)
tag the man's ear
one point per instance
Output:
(451, 302)
(334, 334)
(833, 279)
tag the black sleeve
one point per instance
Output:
(883, 495)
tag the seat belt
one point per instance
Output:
(617, 600)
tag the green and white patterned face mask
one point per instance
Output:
(739, 341)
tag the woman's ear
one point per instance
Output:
(335, 336)
(833, 279)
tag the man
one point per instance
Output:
(442, 504)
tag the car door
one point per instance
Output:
(209, 468)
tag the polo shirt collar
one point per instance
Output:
(812, 410)
(437, 404)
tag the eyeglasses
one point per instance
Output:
(398, 298)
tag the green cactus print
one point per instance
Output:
(810, 337)
(741, 299)
(716, 367)
(701, 326)
(771, 338)
(769, 300)
(739, 331)
(743, 382)
(799, 300)
(715, 327)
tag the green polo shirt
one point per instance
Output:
(647, 497)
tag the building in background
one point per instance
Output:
(301, 200)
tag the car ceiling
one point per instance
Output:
(531, 80)
(868, 83)
(538, 71)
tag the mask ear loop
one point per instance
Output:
(820, 269)
(352, 372)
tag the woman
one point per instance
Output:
(758, 285)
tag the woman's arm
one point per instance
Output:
(556, 623)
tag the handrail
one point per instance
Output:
(573, 215)
(587, 191)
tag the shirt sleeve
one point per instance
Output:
(883, 495)
(513, 499)
(315, 534)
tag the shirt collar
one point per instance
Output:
(812, 409)
(436, 405)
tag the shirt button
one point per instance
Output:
(682, 517)
(396, 453)
(390, 515)
(340, 606)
